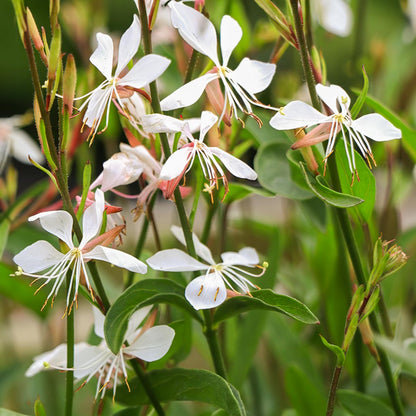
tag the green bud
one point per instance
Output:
(69, 83)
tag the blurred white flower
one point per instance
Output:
(297, 114)
(209, 290)
(335, 16)
(41, 255)
(147, 343)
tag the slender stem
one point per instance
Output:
(359, 364)
(198, 191)
(385, 320)
(307, 16)
(333, 390)
(144, 380)
(304, 55)
(208, 221)
(359, 32)
(70, 329)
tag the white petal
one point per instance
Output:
(99, 319)
(208, 119)
(295, 115)
(205, 292)
(85, 358)
(188, 94)
(245, 257)
(195, 29)
(231, 34)
(117, 258)
(376, 127)
(129, 43)
(102, 58)
(92, 218)
(234, 165)
(22, 146)
(58, 223)
(336, 17)
(135, 320)
(57, 356)
(176, 164)
(96, 106)
(174, 260)
(153, 344)
(201, 249)
(38, 256)
(145, 70)
(254, 76)
(334, 97)
(159, 123)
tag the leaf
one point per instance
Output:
(315, 211)
(6, 412)
(4, 234)
(265, 299)
(360, 404)
(355, 110)
(336, 350)
(365, 188)
(274, 171)
(180, 384)
(237, 191)
(19, 291)
(409, 135)
(319, 187)
(145, 292)
(39, 409)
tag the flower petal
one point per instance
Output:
(145, 70)
(152, 344)
(174, 260)
(176, 164)
(159, 123)
(38, 256)
(85, 358)
(188, 94)
(57, 356)
(129, 43)
(92, 218)
(234, 165)
(295, 115)
(99, 319)
(334, 97)
(336, 17)
(254, 76)
(135, 320)
(231, 34)
(208, 119)
(206, 292)
(245, 257)
(195, 29)
(22, 146)
(58, 223)
(102, 58)
(376, 127)
(201, 249)
(117, 258)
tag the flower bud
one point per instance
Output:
(35, 36)
(69, 83)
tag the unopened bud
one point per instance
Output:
(69, 84)
(19, 11)
(35, 36)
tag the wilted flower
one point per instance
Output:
(297, 114)
(41, 255)
(209, 290)
(240, 85)
(147, 343)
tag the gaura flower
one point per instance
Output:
(147, 343)
(335, 16)
(297, 114)
(16, 142)
(41, 255)
(182, 159)
(121, 84)
(208, 290)
(240, 85)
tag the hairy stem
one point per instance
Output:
(70, 329)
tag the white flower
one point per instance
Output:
(297, 114)
(120, 85)
(240, 85)
(148, 343)
(41, 255)
(209, 290)
(182, 159)
(17, 142)
(335, 16)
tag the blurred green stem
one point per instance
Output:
(359, 32)
(69, 396)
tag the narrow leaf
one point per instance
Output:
(336, 350)
(356, 108)
(360, 404)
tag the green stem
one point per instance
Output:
(70, 329)
(333, 390)
(359, 32)
(307, 16)
(208, 221)
(198, 191)
(304, 55)
(144, 380)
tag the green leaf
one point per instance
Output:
(265, 299)
(336, 350)
(360, 404)
(356, 108)
(180, 384)
(364, 189)
(409, 135)
(274, 171)
(4, 234)
(19, 291)
(6, 412)
(237, 191)
(145, 292)
(319, 187)
(39, 409)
